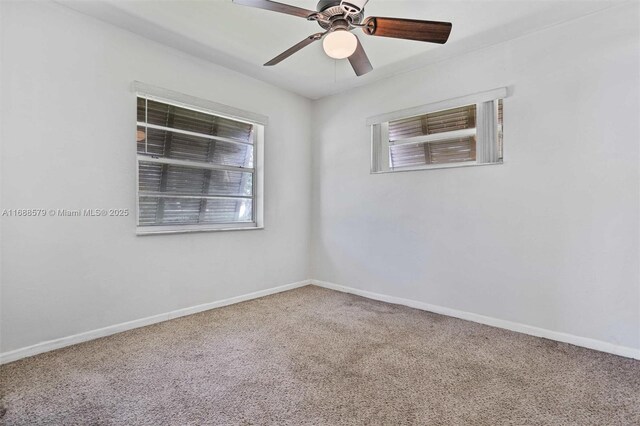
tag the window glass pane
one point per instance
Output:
(193, 211)
(169, 178)
(195, 193)
(166, 115)
(167, 144)
(457, 150)
(432, 123)
(141, 139)
(223, 211)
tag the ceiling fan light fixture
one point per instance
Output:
(340, 44)
(338, 18)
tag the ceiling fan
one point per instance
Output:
(339, 17)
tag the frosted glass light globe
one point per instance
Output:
(340, 44)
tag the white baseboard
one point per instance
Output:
(50, 345)
(585, 342)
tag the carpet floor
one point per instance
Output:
(318, 357)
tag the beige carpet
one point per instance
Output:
(314, 356)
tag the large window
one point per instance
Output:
(196, 170)
(459, 132)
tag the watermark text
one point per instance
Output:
(64, 213)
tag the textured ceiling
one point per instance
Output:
(243, 38)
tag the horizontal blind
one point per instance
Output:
(444, 152)
(454, 150)
(437, 122)
(193, 181)
(193, 168)
(195, 121)
(169, 144)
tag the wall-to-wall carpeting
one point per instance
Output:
(315, 356)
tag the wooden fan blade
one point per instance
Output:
(276, 7)
(284, 55)
(410, 29)
(359, 61)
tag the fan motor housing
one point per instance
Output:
(326, 4)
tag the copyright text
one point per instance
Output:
(64, 212)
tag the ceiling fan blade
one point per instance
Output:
(304, 43)
(276, 7)
(359, 61)
(410, 29)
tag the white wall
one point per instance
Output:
(68, 123)
(549, 239)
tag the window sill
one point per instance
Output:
(161, 230)
(435, 167)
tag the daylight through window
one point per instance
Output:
(196, 170)
(469, 134)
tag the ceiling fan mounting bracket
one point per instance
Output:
(369, 26)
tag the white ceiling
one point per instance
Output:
(243, 38)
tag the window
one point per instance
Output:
(197, 170)
(459, 132)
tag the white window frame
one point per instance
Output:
(379, 126)
(259, 122)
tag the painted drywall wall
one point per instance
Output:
(550, 238)
(68, 118)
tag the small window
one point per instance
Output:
(196, 169)
(464, 135)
